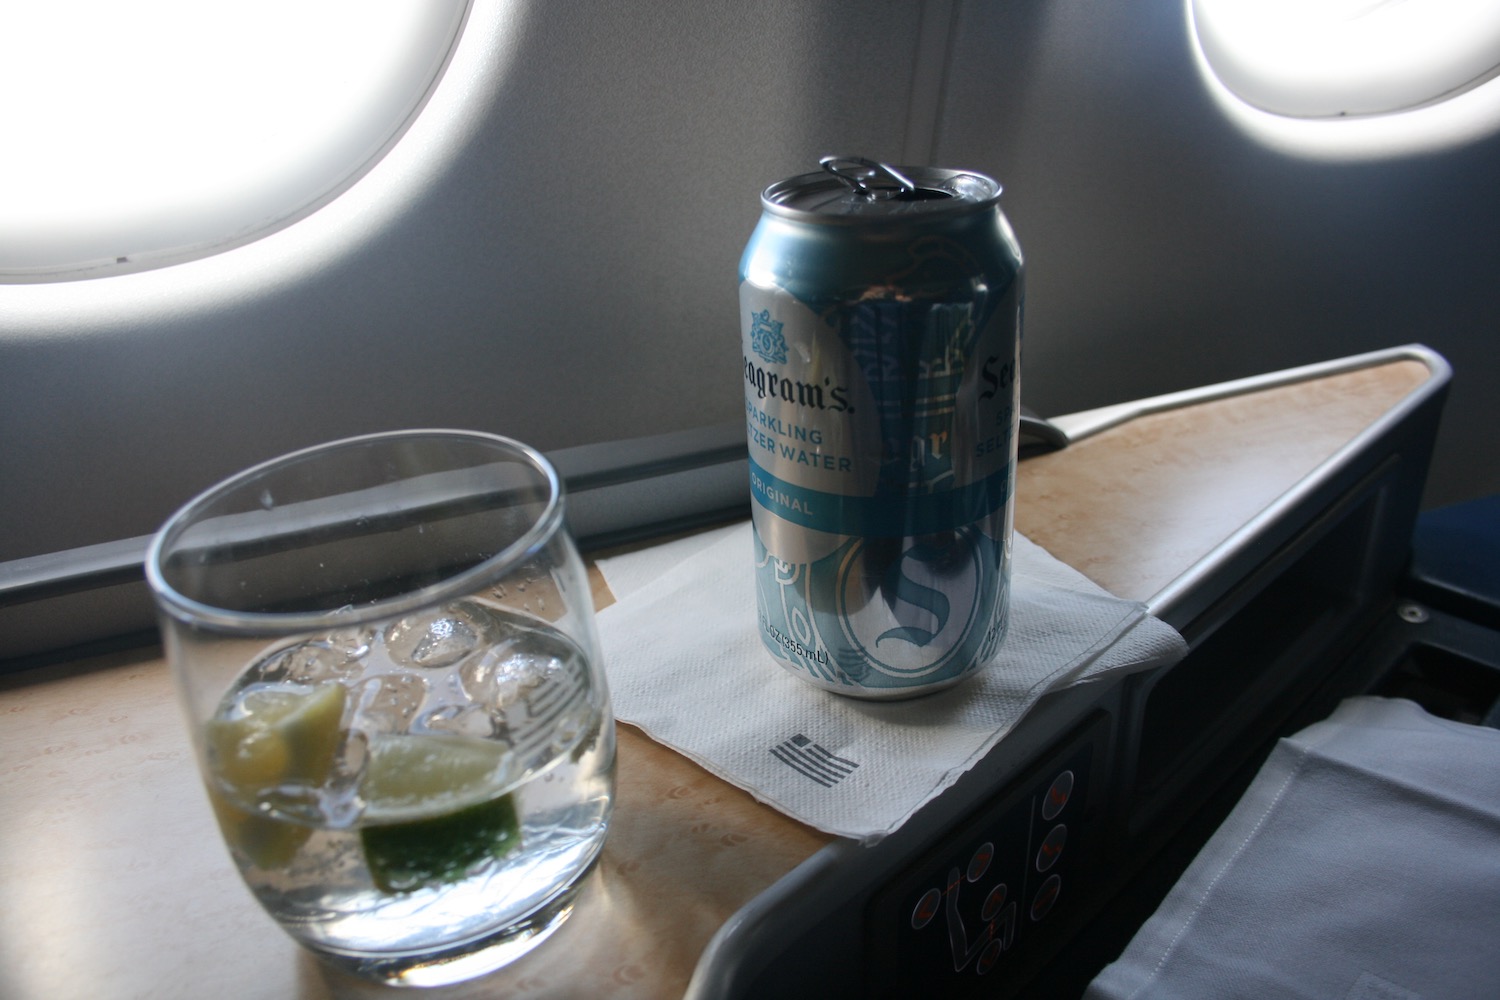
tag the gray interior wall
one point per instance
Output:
(569, 276)
(1167, 248)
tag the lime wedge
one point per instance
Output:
(431, 811)
(280, 735)
(268, 842)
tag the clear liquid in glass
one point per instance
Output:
(421, 787)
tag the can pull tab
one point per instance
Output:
(868, 178)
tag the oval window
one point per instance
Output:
(146, 133)
(1344, 58)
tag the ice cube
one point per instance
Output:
(314, 662)
(341, 804)
(505, 673)
(389, 702)
(459, 720)
(433, 639)
(355, 640)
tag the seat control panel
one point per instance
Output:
(953, 920)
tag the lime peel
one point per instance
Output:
(403, 857)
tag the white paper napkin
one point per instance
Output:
(685, 664)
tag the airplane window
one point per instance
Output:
(147, 133)
(1388, 75)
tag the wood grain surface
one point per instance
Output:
(114, 882)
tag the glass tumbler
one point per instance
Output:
(385, 648)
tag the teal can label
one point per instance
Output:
(881, 354)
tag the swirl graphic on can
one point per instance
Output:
(881, 336)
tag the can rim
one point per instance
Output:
(969, 190)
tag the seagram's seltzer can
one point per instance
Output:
(880, 313)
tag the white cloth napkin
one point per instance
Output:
(1363, 863)
(685, 664)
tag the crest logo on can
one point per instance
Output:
(766, 339)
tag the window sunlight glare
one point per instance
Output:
(144, 132)
(1352, 77)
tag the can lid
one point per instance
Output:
(855, 189)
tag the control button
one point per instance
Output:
(1051, 849)
(988, 957)
(993, 902)
(1057, 796)
(1046, 896)
(980, 862)
(927, 908)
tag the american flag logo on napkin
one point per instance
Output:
(807, 758)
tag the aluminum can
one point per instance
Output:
(880, 312)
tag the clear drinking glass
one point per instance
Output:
(386, 651)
